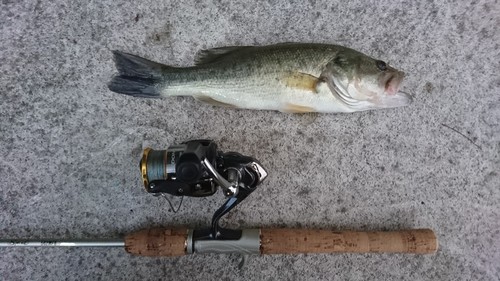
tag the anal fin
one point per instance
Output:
(212, 101)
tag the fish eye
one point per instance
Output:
(381, 65)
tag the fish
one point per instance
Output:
(286, 77)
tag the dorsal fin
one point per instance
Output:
(214, 54)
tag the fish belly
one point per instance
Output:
(265, 96)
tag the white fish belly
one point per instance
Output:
(263, 97)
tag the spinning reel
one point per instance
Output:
(196, 168)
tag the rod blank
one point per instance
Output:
(61, 243)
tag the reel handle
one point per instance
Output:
(174, 242)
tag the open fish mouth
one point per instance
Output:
(393, 97)
(393, 83)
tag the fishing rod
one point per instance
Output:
(197, 169)
(180, 241)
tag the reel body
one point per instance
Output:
(196, 168)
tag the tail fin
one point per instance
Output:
(137, 77)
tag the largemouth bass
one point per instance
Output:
(294, 78)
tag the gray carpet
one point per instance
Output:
(70, 148)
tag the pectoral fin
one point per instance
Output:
(302, 81)
(214, 102)
(295, 108)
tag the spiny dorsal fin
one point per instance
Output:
(214, 54)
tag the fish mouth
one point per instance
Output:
(393, 96)
(393, 83)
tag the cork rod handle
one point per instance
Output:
(173, 242)
(157, 242)
(294, 241)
